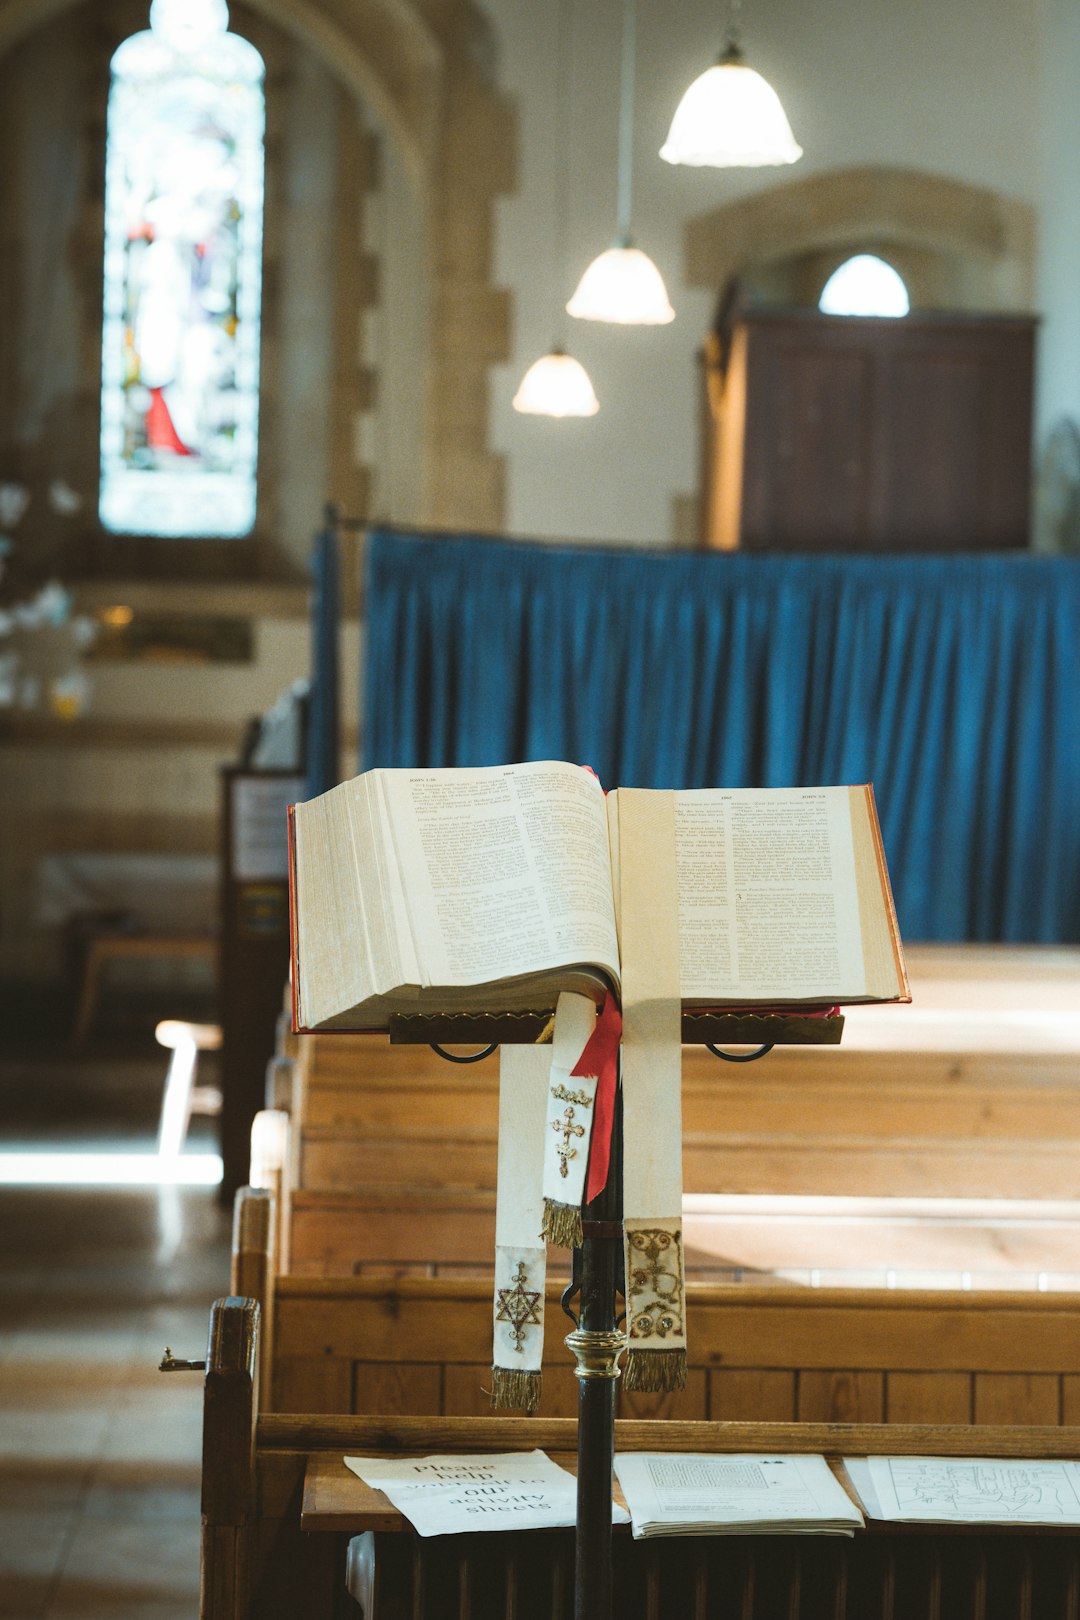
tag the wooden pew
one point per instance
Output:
(816, 1239)
(279, 1509)
(969, 1124)
(775, 1352)
(974, 1116)
(901, 1126)
(970, 1094)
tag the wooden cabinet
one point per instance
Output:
(831, 433)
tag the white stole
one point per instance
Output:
(520, 1251)
(652, 1092)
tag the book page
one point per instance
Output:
(681, 1490)
(768, 900)
(451, 1495)
(976, 1490)
(504, 870)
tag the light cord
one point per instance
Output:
(625, 172)
(734, 25)
(562, 146)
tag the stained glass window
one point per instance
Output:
(183, 271)
(864, 285)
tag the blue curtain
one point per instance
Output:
(951, 683)
(323, 720)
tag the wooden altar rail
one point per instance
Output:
(263, 1557)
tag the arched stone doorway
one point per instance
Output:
(956, 245)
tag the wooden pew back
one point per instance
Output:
(774, 1353)
(258, 1564)
(962, 1123)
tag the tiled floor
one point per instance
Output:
(99, 1452)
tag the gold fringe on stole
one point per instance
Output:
(654, 1371)
(514, 1389)
(561, 1224)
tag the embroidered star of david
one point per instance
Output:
(518, 1306)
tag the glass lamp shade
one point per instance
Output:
(187, 25)
(556, 385)
(730, 118)
(622, 286)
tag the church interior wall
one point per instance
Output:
(1058, 300)
(954, 92)
(434, 191)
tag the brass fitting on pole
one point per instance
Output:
(596, 1352)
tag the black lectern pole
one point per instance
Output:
(596, 1343)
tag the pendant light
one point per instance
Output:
(623, 285)
(730, 117)
(557, 384)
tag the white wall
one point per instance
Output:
(953, 89)
(396, 339)
(306, 248)
(1059, 198)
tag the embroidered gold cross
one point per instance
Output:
(517, 1306)
(566, 1128)
(582, 1098)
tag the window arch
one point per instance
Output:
(865, 285)
(183, 277)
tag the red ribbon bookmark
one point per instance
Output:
(601, 1058)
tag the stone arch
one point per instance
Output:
(428, 87)
(956, 244)
(385, 50)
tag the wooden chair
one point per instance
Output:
(181, 1096)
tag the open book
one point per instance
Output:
(701, 1494)
(490, 890)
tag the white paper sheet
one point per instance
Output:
(452, 1495)
(976, 1490)
(260, 833)
(684, 1493)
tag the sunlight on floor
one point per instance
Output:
(109, 1170)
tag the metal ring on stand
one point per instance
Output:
(739, 1057)
(469, 1057)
